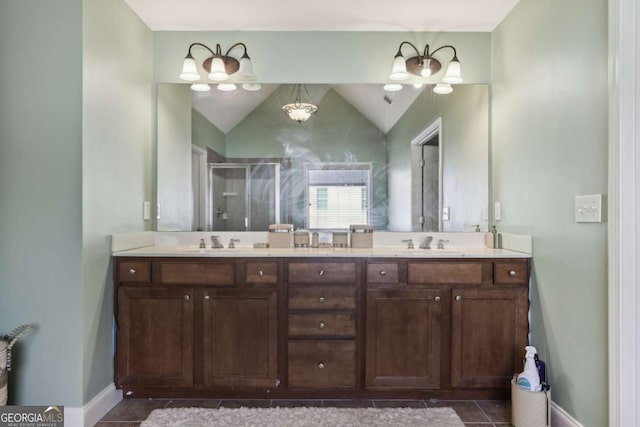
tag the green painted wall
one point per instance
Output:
(549, 144)
(116, 164)
(41, 278)
(336, 133)
(205, 135)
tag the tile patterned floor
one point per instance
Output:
(473, 413)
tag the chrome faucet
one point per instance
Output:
(426, 243)
(232, 243)
(215, 243)
(441, 243)
(409, 243)
(202, 244)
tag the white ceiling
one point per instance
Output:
(325, 15)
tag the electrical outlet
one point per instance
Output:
(497, 211)
(588, 208)
(445, 214)
(146, 211)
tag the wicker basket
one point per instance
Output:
(530, 408)
(6, 344)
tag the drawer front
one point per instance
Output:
(382, 272)
(322, 272)
(322, 297)
(261, 272)
(322, 324)
(511, 273)
(196, 273)
(134, 271)
(322, 364)
(445, 273)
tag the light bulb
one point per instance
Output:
(426, 68)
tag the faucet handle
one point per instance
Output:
(202, 244)
(441, 243)
(232, 243)
(409, 243)
(476, 228)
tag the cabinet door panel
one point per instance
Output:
(155, 337)
(240, 338)
(403, 338)
(488, 336)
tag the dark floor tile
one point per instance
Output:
(116, 424)
(347, 403)
(194, 403)
(398, 403)
(133, 409)
(246, 403)
(296, 403)
(467, 410)
(497, 410)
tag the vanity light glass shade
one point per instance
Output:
(189, 70)
(200, 87)
(245, 72)
(227, 87)
(453, 72)
(218, 73)
(399, 69)
(392, 87)
(443, 88)
(251, 87)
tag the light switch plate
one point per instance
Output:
(588, 208)
(497, 211)
(445, 214)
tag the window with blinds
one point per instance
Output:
(338, 195)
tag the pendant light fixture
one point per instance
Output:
(220, 68)
(299, 110)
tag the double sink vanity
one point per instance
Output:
(382, 322)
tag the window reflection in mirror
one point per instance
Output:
(271, 159)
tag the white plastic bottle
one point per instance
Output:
(529, 378)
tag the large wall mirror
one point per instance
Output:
(410, 160)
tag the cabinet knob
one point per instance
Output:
(322, 325)
(260, 273)
(321, 299)
(132, 271)
(437, 299)
(186, 298)
(321, 365)
(383, 273)
(206, 297)
(458, 298)
(321, 273)
(512, 273)
(129, 393)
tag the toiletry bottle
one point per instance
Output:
(529, 378)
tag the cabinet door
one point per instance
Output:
(403, 338)
(488, 336)
(240, 337)
(155, 337)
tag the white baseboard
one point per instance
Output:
(90, 414)
(560, 417)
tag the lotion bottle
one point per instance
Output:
(530, 378)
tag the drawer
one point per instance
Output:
(322, 324)
(134, 271)
(261, 272)
(447, 272)
(322, 364)
(510, 273)
(322, 297)
(322, 272)
(195, 273)
(382, 272)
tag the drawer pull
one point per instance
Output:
(321, 273)
(132, 272)
(129, 393)
(437, 299)
(321, 299)
(207, 297)
(383, 273)
(321, 365)
(186, 298)
(458, 298)
(260, 273)
(322, 325)
(512, 273)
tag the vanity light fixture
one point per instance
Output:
(298, 110)
(220, 67)
(425, 65)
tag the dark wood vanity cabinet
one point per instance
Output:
(319, 327)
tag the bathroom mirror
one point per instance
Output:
(410, 160)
